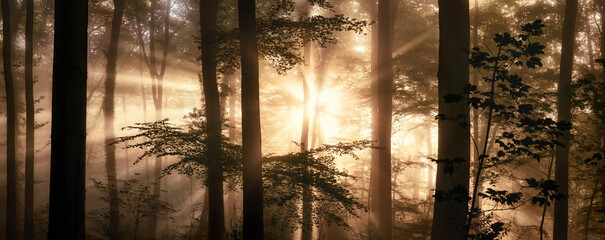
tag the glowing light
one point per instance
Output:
(360, 49)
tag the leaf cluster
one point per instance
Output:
(285, 176)
(282, 35)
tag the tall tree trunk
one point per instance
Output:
(307, 195)
(564, 114)
(602, 165)
(28, 227)
(373, 189)
(475, 112)
(449, 218)
(232, 195)
(109, 115)
(251, 130)
(209, 47)
(68, 127)
(11, 166)
(590, 47)
(202, 229)
(385, 95)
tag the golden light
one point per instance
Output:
(360, 49)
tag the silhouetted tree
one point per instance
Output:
(209, 47)
(68, 137)
(251, 131)
(564, 114)
(449, 218)
(11, 127)
(28, 227)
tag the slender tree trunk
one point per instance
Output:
(144, 100)
(543, 217)
(28, 227)
(564, 114)
(601, 173)
(589, 211)
(109, 114)
(307, 195)
(11, 118)
(475, 81)
(68, 127)
(126, 157)
(385, 93)
(430, 170)
(251, 130)
(449, 218)
(232, 193)
(373, 192)
(590, 47)
(209, 46)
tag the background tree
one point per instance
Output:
(564, 114)
(109, 115)
(157, 76)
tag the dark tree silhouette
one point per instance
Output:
(209, 47)
(68, 137)
(564, 114)
(11, 118)
(28, 227)
(449, 217)
(251, 131)
(602, 165)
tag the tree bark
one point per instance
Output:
(68, 127)
(564, 114)
(28, 227)
(384, 86)
(109, 115)
(209, 47)
(202, 229)
(373, 189)
(449, 218)
(11, 127)
(251, 131)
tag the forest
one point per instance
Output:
(302, 119)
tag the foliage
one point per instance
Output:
(282, 34)
(529, 134)
(136, 199)
(283, 175)
(187, 143)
